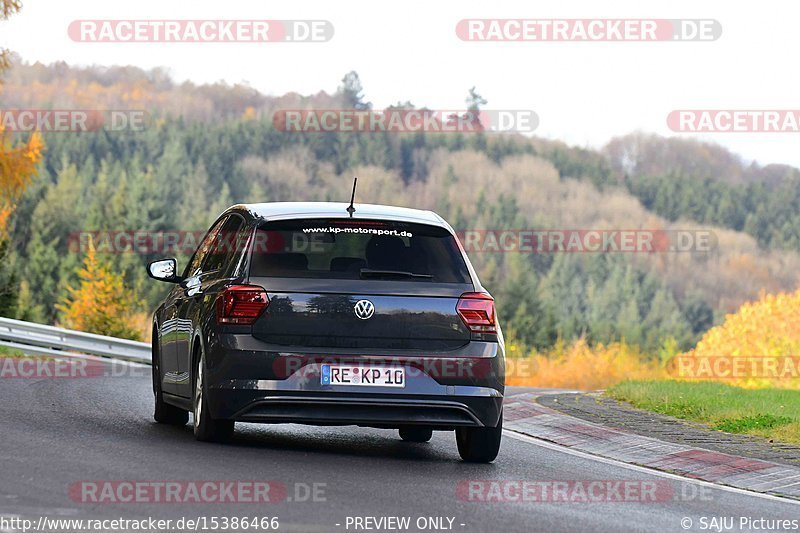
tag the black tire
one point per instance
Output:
(206, 428)
(164, 413)
(416, 434)
(479, 445)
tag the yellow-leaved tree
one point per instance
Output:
(7, 8)
(17, 167)
(768, 328)
(18, 161)
(101, 304)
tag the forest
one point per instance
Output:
(209, 146)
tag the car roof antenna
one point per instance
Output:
(352, 209)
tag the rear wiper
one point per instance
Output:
(372, 273)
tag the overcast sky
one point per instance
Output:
(584, 93)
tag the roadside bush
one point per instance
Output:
(580, 366)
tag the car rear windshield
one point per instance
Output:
(357, 249)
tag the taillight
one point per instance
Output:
(476, 309)
(241, 304)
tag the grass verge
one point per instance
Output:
(770, 413)
(8, 352)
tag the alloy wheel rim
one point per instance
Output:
(198, 394)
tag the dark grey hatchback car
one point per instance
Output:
(308, 313)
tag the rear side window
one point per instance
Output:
(193, 267)
(357, 249)
(227, 242)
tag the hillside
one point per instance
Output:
(215, 145)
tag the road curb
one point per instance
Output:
(523, 414)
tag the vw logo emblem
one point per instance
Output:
(364, 309)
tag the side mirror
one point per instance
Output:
(164, 270)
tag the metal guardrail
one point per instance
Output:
(39, 339)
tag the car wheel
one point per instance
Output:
(479, 445)
(206, 428)
(416, 434)
(164, 413)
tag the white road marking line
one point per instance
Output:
(784, 481)
(786, 486)
(642, 469)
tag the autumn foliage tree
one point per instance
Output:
(101, 304)
(17, 167)
(766, 328)
(17, 161)
(769, 326)
(7, 8)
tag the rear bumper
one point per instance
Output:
(390, 411)
(443, 390)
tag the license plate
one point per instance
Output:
(363, 376)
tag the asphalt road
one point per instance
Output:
(55, 433)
